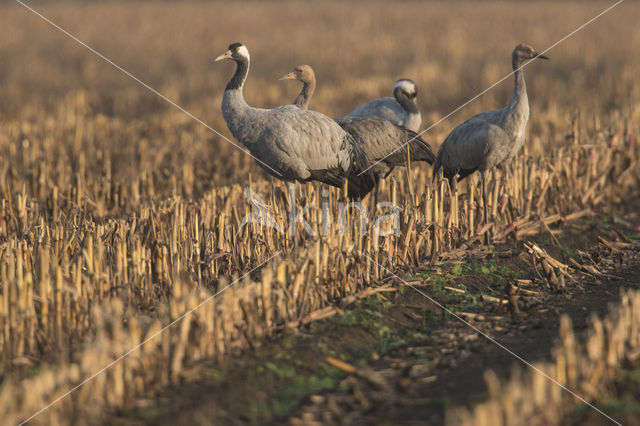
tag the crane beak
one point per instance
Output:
(542, 56)
(290, 76)
(225, 55)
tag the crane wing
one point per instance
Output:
(382, 140)
(308, 136)
(386, 108)
(471, 146)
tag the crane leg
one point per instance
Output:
(291, 186)
(375, 202)
(487, 235)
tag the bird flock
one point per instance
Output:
(294, 143)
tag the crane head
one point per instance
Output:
(236, 52)
(522, 52)
(405, 88)
(303, 73)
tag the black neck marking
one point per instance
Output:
(242, 68)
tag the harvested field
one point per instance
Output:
(134, 238)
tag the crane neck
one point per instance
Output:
(234, 107)
(517, 111)
(519, 95)
(303, 99)
(239, 77)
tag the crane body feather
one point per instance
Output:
(382, 143)
(388, 109)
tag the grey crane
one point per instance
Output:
(492, 138)
(402, 109)
(378, 137)
(305, 74)
(380, 140)
(290, 143)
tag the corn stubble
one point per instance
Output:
(112, 227)
(76, 275)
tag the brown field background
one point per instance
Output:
(119, 212)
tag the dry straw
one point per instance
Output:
(81, 286)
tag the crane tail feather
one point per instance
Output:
(420, 149)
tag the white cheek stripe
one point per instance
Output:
(243, 51)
